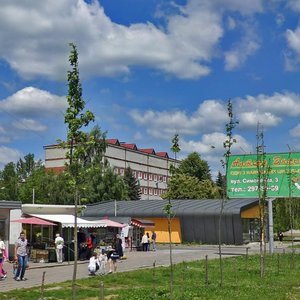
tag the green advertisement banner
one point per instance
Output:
(282, 175)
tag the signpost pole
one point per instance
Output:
(271, 232)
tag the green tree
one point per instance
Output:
(193, 165)
(191, 180)
(227, 147)
(168, 211)
(103, 184)
(62, 191)
(175, 148)
(220, 183)
(36, 187)
(77, 140)
(94, 149)
(133, 186)
(9, 182)
(182, 186)
(26, 166)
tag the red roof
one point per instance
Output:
(116, 142)
(162, 154)
(129, 146)
(148, 150)
(113, 141)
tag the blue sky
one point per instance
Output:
(150, 69)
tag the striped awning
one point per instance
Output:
(142, 223)
(68, 220)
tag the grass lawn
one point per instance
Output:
(242, 280)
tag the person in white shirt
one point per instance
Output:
(145, 242)
(59, 245)
(93, 266)
(102, 261)
(21, 256)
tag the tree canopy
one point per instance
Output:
(194, 166)
(132, 184)
(182, 186)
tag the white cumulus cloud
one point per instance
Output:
(35, 35)
(269, 110)
(31, 101)
(211, 148)
(8, 154)
(292, 58)
(295, 132)
(210, 116)
(29, 124)
(245, 47)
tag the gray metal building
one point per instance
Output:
(198, 219)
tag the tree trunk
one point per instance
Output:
(75, 246)
(220, 242)
(171, 258)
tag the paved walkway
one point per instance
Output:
(56, 273)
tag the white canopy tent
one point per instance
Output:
(68, 220)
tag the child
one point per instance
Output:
(102, 261)
(93, 266)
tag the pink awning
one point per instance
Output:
(110, 223)
(34, 221)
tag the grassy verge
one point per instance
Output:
(241, 281)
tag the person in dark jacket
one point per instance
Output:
(118, 246)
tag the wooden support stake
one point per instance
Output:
(101, 291)
(42, 286)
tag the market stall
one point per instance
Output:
(35, 226)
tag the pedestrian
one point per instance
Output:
(112, 257)
(93, 266)
(144, 242)
(59, 245)
(118, 246)
(89, 246)
(153, 238)
(81, 244)
(148, 244)
(21, 256)
(2, 257)
(280, 236)
(102, 261)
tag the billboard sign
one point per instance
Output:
(282, 175)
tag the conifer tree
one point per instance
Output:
(133, 186)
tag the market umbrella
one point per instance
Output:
(33, 221)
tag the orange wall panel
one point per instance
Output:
(251, 213)
(161, 229)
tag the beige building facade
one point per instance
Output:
(150, 168)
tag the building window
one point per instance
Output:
(145, 176)
(155, 177)
(155, 192)
(134, 173)
(116, 170)
(140, 175)
(164, 178)
(150, 176)
(145, 191)
(150, 191)
(121, 171)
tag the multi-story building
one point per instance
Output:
(150, 168)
